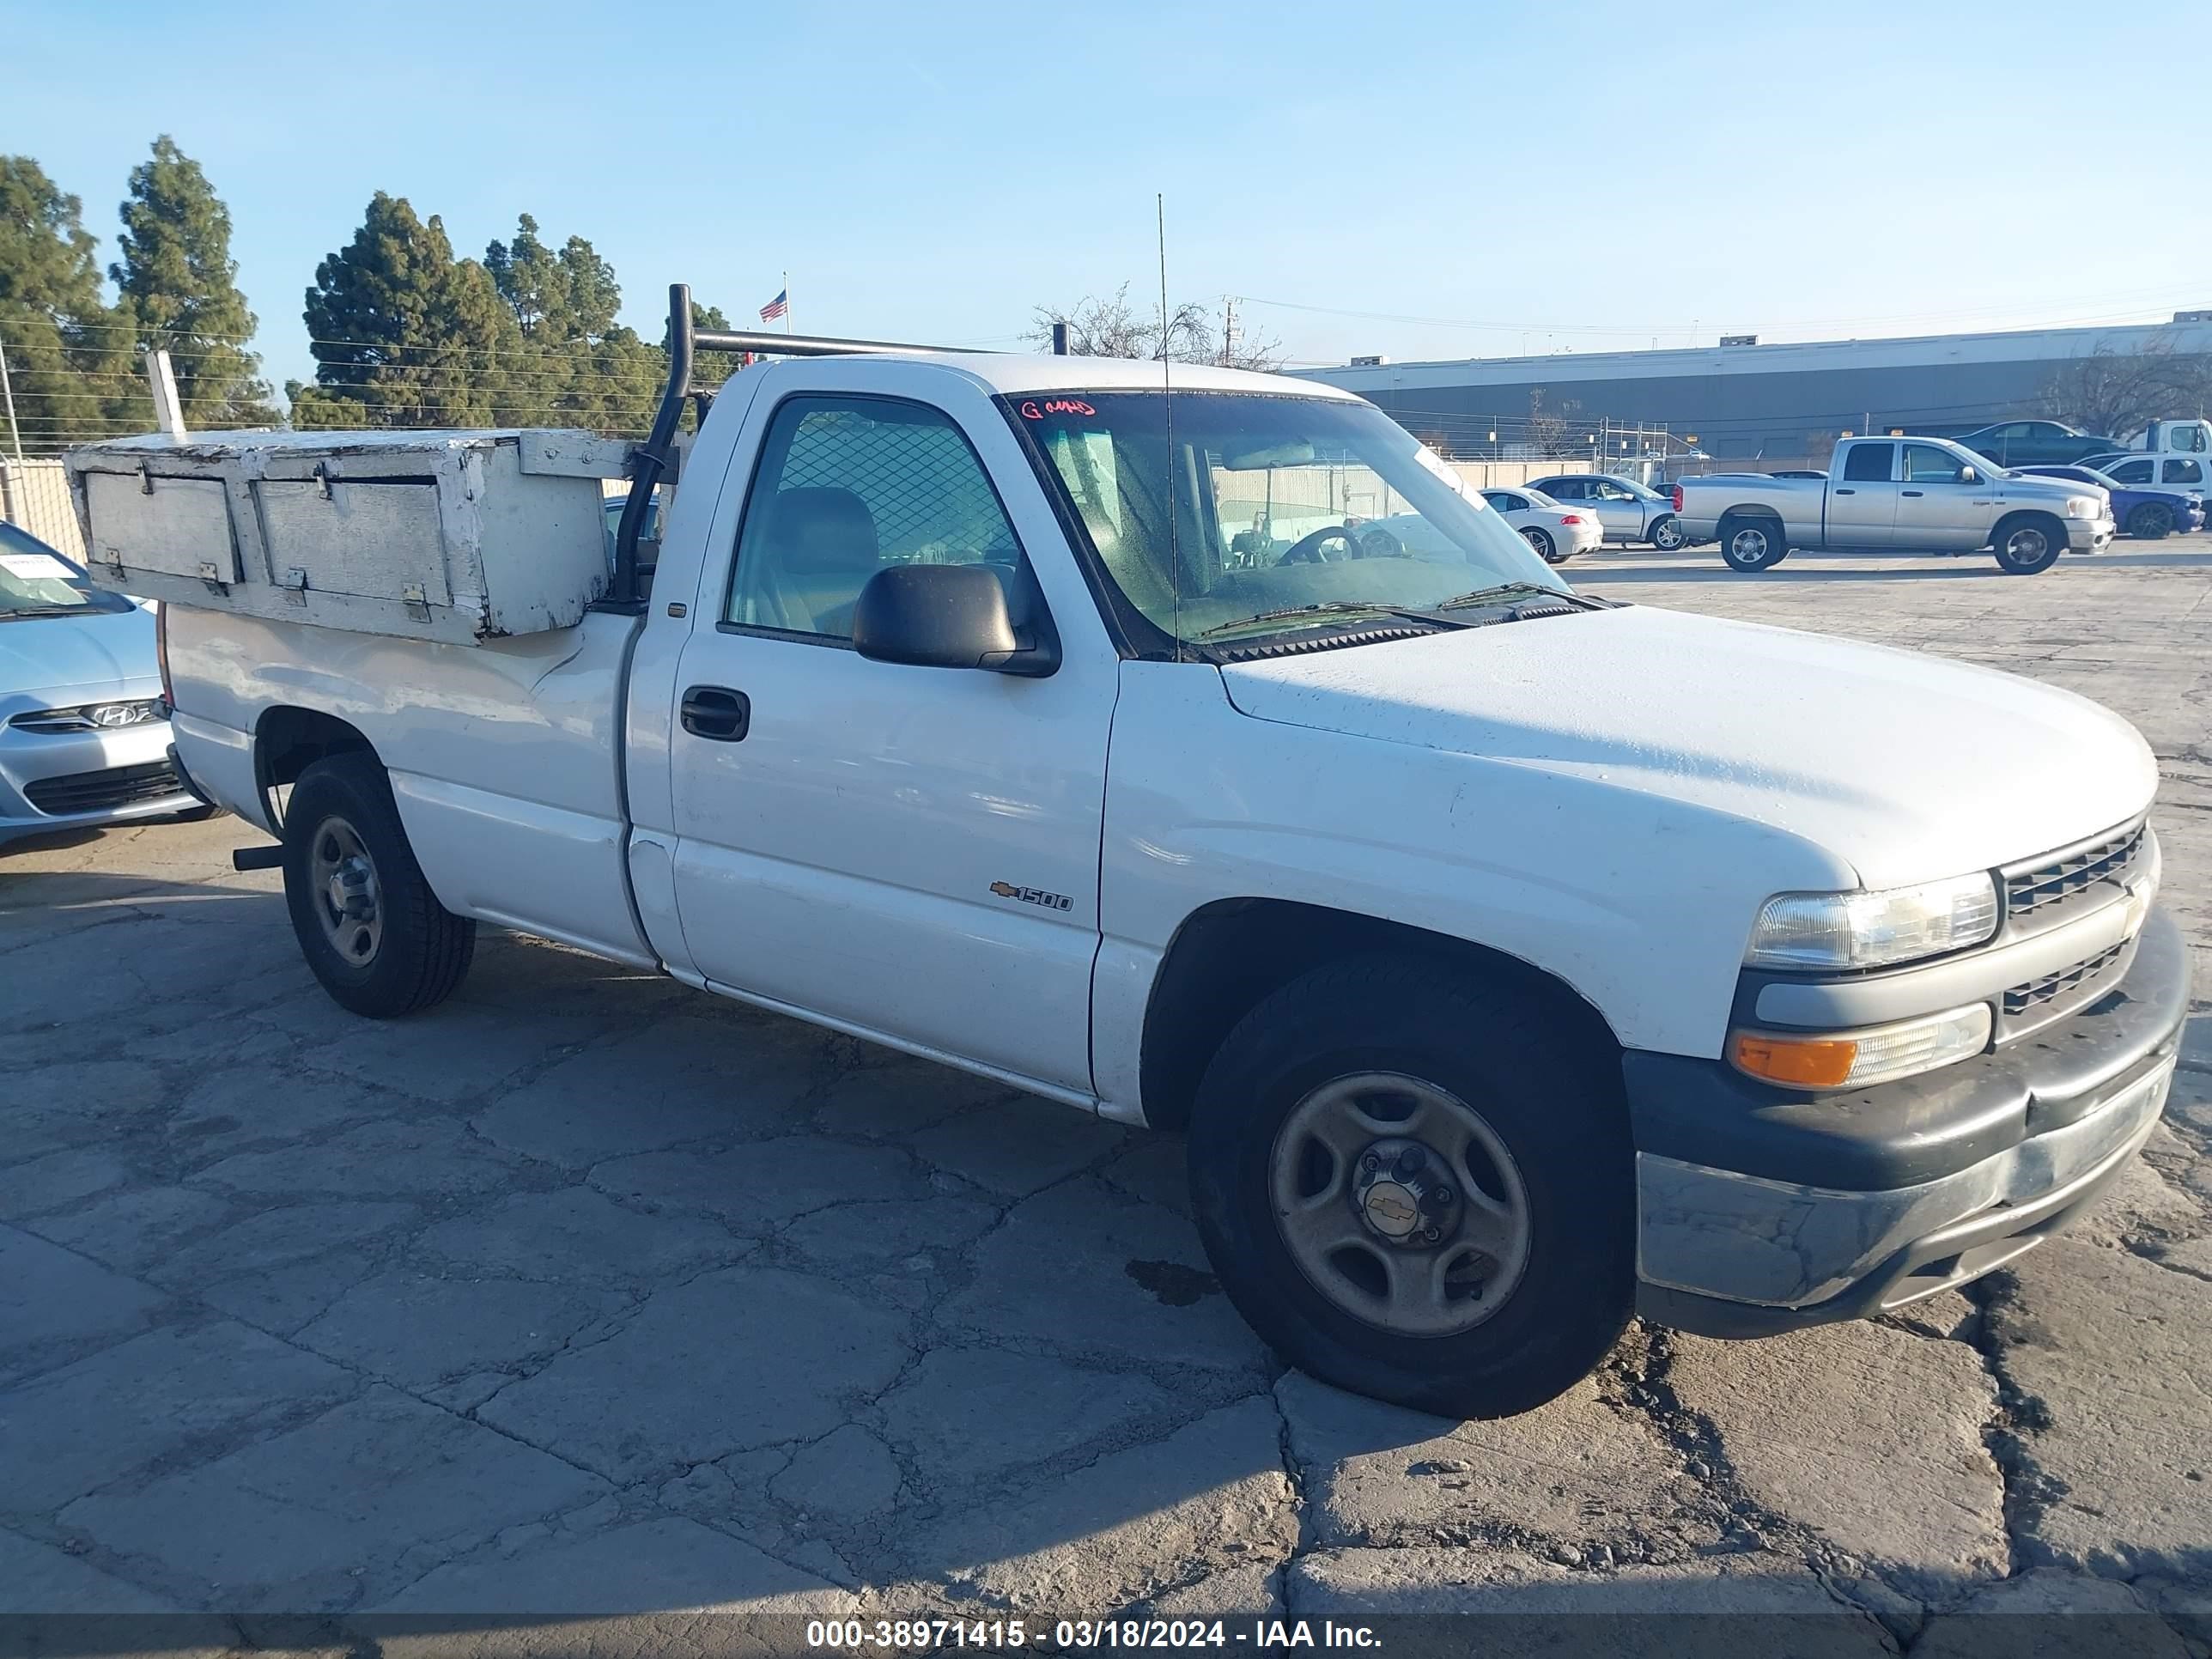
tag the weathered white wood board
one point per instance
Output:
(439, 535)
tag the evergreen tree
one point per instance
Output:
(179, 289)
(584, 368)
(70, 362)
(405, 334)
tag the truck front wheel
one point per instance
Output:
(367, 921)
(1416, 1183)
(1749, 544)
(2029, 543)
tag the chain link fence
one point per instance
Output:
(34, 496)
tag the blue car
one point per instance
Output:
(2142, 511)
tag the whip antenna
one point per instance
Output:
(1167, 411)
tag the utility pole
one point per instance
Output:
(1228, 330)
(8, 397)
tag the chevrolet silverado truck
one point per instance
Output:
(1507, 968)
(1896, 495)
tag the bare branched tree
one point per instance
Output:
(1112, 327)
(2120, 393)
(1548, 432)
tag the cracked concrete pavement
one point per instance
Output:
(589, 1297)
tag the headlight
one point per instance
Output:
(1873, 930)
(2084, 507)
(1850, 1060)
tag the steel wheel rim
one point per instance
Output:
(1668, 535)
(342, 884)
(2157, 520)
(1539, 541)
(1411, 1286)
(2027, 544)
(1749, 544)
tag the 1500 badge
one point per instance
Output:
(1033, 895)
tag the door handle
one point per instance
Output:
(716, 713)
(1847, 492)
(1912, 492)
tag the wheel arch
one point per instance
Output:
(2007, 521)
(1229, 955)
(288, 738)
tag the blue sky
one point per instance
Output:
(1517, 177)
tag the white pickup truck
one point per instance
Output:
(1509, 968)
(1896, 495)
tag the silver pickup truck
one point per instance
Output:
(1896, 495)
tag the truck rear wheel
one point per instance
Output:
(2029, 543)
(1416, 1183)
(367, 921)
(1750, 544)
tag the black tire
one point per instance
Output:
(2152, 521)
(416, 951)
(1551, 1098)
(1667, 535)
(2028, 543)
(1547, 549)
(1753, 543)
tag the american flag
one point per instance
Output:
(776, 307)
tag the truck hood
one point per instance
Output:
(98, 650)
(1907, 767)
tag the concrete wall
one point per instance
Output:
(34, 495)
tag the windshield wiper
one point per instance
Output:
(1506, 592)
(1332, 607)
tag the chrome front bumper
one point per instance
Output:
(2089, 534)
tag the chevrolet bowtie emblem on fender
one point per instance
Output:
(1033, 895)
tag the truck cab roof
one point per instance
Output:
(1015, 373)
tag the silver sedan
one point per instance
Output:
(83, 737)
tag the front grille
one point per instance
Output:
(2068, 989)
(99, 792)
(90, 717)
(2056, 880)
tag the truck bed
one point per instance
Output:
(505, 756)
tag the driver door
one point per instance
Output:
(907, 853)
(1616, 509)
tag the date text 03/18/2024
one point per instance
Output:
(910, 1635)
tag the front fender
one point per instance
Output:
(1640, 904)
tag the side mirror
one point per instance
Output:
(1968, 475)
(946, 616)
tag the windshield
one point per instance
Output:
(37, 581)
(1282, 504)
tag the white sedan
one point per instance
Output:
(1557, 533)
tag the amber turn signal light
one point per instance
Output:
(1800, 1062)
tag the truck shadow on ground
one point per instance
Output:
(586, 1295)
